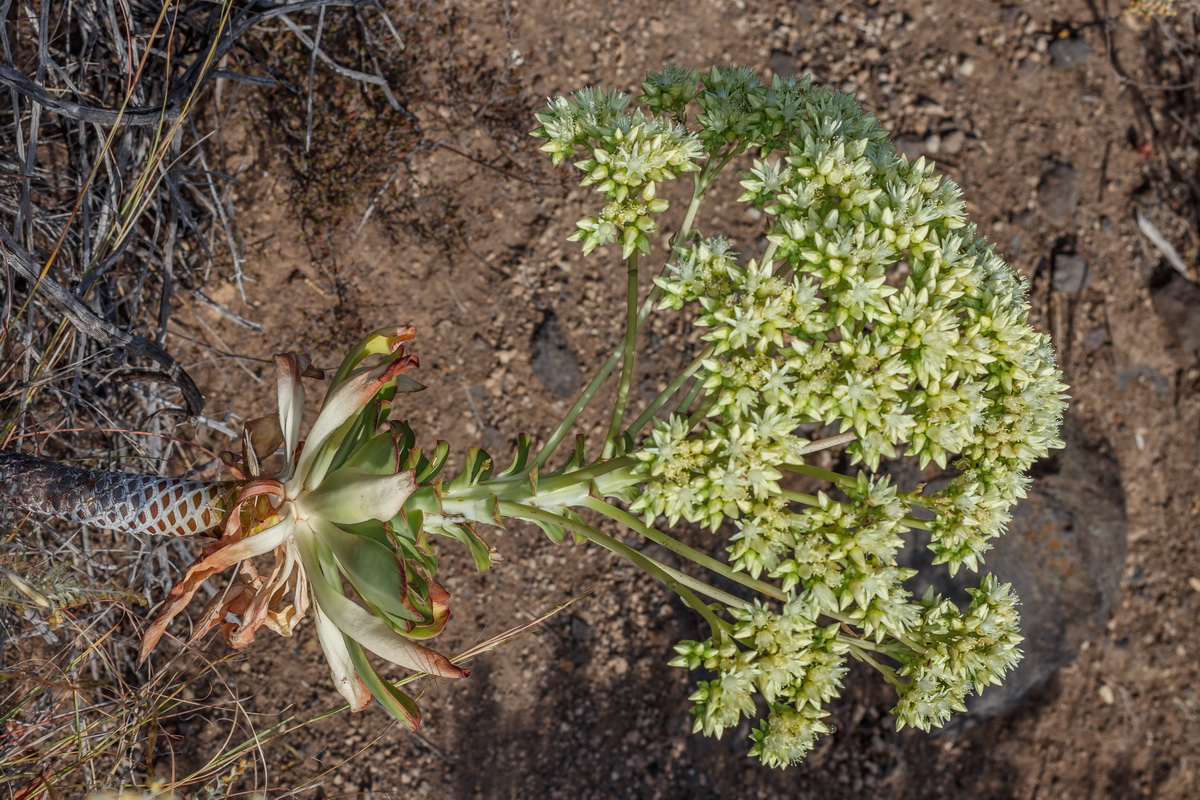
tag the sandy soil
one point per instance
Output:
(1044, 113)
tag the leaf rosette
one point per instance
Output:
(333, 517)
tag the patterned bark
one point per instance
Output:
(137, 504)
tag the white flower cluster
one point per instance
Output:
(963, 652)
(794, 663)
(628, 156)
(876, 309)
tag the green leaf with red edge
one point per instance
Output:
(439, 613)
(520, 456)
(477, 467)
(554, 533)
(358, 623)
(378, 342)
(382, 454)
(413, 554)
(465, 533)
(342, 403)
(425, 500)
(349, 438)
(429, 467)
(402, 707)
(373, 570)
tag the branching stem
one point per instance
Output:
(666, 394)
(676, 581)
(679, 548)
(628, 356)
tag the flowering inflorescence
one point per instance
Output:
(628, 156)
(875, 311)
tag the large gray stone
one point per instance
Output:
(552, 359)
(1058, 192)
(1068, 52)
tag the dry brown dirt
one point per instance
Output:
(1057, 147)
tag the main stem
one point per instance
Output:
(118, 501)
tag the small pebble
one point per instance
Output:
(1058, 192)
(952, 142)
(1070, 273)
(1106, 695)
(1068, 52)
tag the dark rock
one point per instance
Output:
(1144, 375)
(1096, 338)
(552, 359)
(782, 64)
(1068, 52)
(1064, 554)
(1058, 192)
(1070, 273)
(580, 630)
(1176, 300)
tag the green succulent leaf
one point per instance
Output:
(373, 570)
(402, 707)
(351, 495)
(382, 454)
(465, 533)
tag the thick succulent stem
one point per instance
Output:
(122, 502)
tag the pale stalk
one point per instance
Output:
(700, 413)
(689, 399)
(628, 356)
(816, 472)
(679, 548)
(701, 182)
(830, 441)
(590, 390)
(666, 394)
(646, 563)
(888, 673)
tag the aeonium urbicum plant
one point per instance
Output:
(875, 322)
